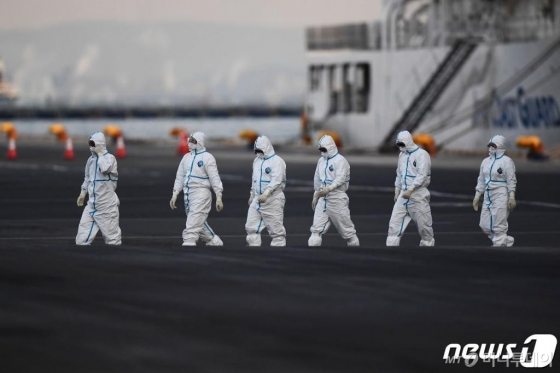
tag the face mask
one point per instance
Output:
(192, 147)
(92, 149)
(324, 155)
(491, 151)
(402, 148)
(260, 155)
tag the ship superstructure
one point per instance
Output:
(460, 70)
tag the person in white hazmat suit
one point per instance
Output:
(497, 182)
(100, 182)
(196, 176)
(267, 200)
(330, 201)
(412, 198)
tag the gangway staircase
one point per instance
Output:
(430, 92)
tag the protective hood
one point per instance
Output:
(328, 143)
(406, 138)
(263, 143)
(99, 139)
(500, 142)
(199, 137)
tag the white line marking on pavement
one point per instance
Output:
(391, 190)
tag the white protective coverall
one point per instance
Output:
(197, 175)
(332, 175)
(102, 209)
(497, 182)
(412, 198)
(266, 204)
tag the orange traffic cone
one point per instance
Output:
(69, 153)
(183, 147)
(121, 150)
(12, 153)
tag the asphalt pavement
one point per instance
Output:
(154, 306)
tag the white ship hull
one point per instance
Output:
(531, 107)
(459, 70)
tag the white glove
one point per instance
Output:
(251, 198)
(173, 200)
(324, 191)
(397, 192)
(219, 203)
(315, 200)
(81, 198)
(511, 201)
(263, 197)
(408, 192)
(475, 201)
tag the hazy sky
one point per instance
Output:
(283, 13)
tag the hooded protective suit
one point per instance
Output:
(497, 182)
(412, 198)
(266, 205)
(102, 209)
(197, 175)
(332, 175)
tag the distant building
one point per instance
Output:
(8, 93)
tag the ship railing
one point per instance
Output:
(524, 20)
(360, 36)
(451, 20)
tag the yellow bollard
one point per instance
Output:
(10, 130)
(532, 142)
(177, 131)
(535, 146)
(113, 131)
(58, 130)
(334, 135)
(426, 142)
(250, 136)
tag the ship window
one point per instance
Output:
(320, 81)
(362, 86)
(334, 88)
(347, 83)
(315, 77)
(312, 78)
